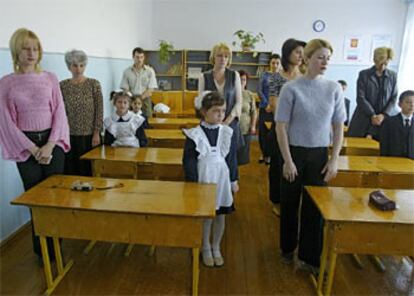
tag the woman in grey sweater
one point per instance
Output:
(308, 108)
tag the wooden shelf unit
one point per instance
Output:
(177, 89)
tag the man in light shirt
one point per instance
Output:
(140, 80)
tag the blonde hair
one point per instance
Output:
(16, 44)
(383, 54)
(220, 47)
(314, 45)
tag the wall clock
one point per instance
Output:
(319, 26)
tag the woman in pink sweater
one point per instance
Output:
(34, 128)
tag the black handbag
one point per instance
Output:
(379, 200)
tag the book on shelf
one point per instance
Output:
(194, 72)
(175, 69)
(164, 85)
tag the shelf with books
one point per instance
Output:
(197, 62)
(170, 74)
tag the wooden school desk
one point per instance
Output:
(173, 211)
(165, 138)
(173, 123)
(360, 146)
(182, 114)
(375, 172)
(353, 226)
(136, 163)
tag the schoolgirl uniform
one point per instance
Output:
(145, 124)
(205, 161)
(125, 131)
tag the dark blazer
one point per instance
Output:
(368, 93)
(394, 138)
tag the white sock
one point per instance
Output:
(206, 234)
(218, 231)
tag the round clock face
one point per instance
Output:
(319, 25)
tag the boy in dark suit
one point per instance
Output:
(344, 86)
(397, 132)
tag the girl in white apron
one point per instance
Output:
(204, 161)
(124, 128)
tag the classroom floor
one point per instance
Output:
(250, 249)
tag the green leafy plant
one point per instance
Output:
(247, 40)
(165, 49)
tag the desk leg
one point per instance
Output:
(46, 262)
(151, 251)
(331, 271)
(52, 284)
(128, 250)
(358, 261)
(378, 263)
(196, 254)
(58, 255)
(89, 247)
(324, 259)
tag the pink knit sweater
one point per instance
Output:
(30, 102)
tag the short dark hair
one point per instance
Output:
(137, 50)
(275, 56)
(121, 93)
(212, 99)
(405, 94)
(287, 48)
(342, 82)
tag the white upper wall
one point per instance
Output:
(111, 28)
(105, 28)
(199, 24)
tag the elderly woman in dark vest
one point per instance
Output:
(376, 96)
(227, 83)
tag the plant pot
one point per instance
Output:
(246, 47)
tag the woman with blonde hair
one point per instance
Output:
(34, 129)
(227, 83)
(376, 96)
(308, 108)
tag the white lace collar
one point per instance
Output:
(125, 117)
(138, 113)
(209, 126)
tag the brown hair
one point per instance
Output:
(115, 95)
(210, 100)
(136, 98)
(244, 73)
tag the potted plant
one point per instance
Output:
(164, 51)
(247, 40)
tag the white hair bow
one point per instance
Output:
(199, 99)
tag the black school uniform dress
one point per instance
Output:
(200, 144)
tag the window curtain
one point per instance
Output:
(406, 66)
